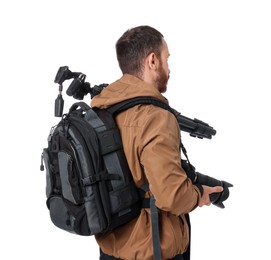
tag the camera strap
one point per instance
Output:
(185, 153)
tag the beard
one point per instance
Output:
(162, 80)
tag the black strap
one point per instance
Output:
(145, 202)
(155, 230)
(91, 179)
(126, 104)
(150, 203)
(85, 107)
(185, 153)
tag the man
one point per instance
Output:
(151, 138)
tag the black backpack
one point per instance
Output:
(89, 186)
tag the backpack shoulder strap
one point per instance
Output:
(126, 104)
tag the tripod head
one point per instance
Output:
(77, 89)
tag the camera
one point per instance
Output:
(216, 198)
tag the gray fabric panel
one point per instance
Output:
(92, 216)
(65, 168)
(92, 118)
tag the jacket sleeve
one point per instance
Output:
(160, 158)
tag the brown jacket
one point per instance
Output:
(151, 138)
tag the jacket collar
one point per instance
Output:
(126, 87)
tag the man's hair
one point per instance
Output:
(135, 45)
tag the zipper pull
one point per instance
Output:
(51, 133)
(41, 163)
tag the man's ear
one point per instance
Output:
(152, 61)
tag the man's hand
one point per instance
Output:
(207, 190)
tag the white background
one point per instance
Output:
(220, 73)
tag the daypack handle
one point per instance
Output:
(85, 107)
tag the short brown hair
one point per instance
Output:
(135, 45)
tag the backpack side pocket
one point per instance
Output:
(48, 169)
